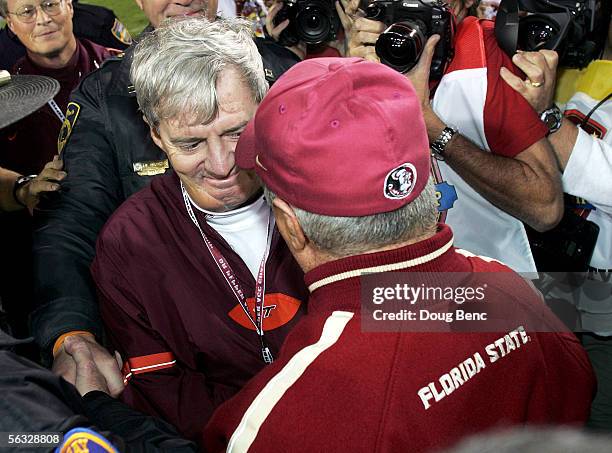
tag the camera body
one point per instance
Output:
(410, 23)
(310, 21)
(573, 28)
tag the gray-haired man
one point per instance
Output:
(196, 287)
(109, 155)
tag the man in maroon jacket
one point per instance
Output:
(52, 50)
(197, 288)
(342, 150)
(45, 29)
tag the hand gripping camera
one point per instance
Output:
(576, 29)
(410, 23)
(310, 21)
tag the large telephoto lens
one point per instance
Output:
(313, 24)
(535, 32)
(400, 45)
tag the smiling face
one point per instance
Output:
(159, 10)
(202, 155)
(48, 36)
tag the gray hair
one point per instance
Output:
(176, 66)
(345, 236)
(536, 440)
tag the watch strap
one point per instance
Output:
(19, 183)
(438, 146)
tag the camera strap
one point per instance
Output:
(585, 120)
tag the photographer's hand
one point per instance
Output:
(347, 13)
(274, 31)
(364, 34)
(419, 76)
(538, 88)
(541, 67)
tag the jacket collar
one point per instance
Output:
(121, 84)
(431, 255)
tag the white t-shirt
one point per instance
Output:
(245, 229)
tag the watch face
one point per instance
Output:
(552, 118)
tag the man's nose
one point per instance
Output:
(220, 159)
(42, 17)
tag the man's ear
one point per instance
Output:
(288, 225)
(155, 135)
(9, 22)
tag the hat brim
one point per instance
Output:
(246, 149)
(23, 95)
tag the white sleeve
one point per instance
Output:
(588, 173)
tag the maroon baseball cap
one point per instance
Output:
(339, 137)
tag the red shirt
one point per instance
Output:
(336, 388)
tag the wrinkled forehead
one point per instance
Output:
(13, 4)
(160, 5)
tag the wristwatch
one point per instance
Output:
(438, 146)
(19, 183)
(552, 118)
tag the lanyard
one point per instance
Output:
(232, 281)
(58, 112)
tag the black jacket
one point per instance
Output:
(105, 156)
(32, 399)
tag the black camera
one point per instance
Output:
(576, 29)
(310, 21)
(410, 23)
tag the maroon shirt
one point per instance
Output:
(392, 391)
(29, 144)
(161, 292)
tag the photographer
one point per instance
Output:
(494, 166)
(324, 34)
(583, 146)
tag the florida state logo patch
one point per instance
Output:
(400, 181)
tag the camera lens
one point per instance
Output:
(375, 11)
(313, 24)
(400, 45)
(535, 32)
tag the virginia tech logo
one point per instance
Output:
(400, 181)
(278, 310)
